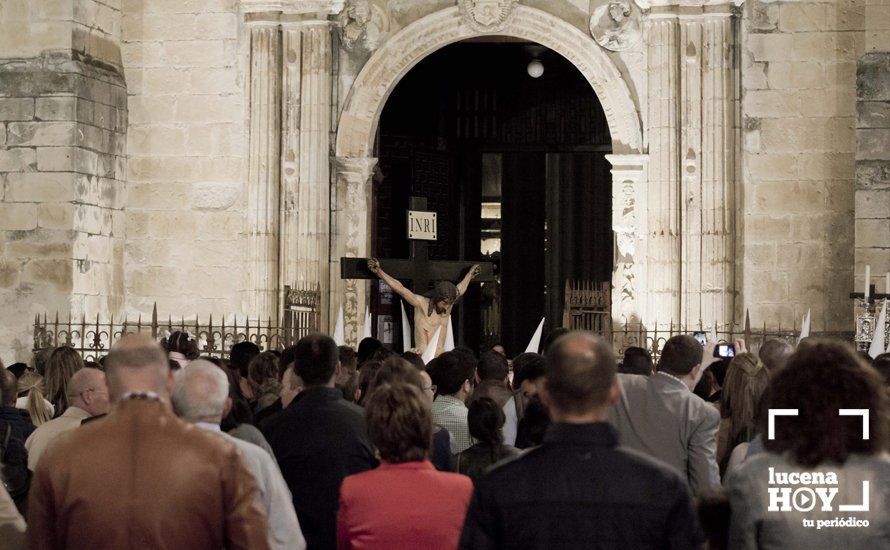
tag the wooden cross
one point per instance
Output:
(418, 268)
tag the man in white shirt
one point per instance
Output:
(201, 396)
(88, 396)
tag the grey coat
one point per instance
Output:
(659, 416)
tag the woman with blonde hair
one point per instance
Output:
(30, 389)
(262, 375)
(61, 365)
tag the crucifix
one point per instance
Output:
(421, 272)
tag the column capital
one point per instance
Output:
(355, 170)
(293, 7)
(628, 167)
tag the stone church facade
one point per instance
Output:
(204, 154)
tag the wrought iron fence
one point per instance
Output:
(94, 338)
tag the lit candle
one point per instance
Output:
(867, 280)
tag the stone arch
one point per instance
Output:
(386, 67)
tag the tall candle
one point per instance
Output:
(867, 281)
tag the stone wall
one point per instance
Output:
(798, 116)
(63, 120)
(188, 145)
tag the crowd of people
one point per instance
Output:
(319, 446)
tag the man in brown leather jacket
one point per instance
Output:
(142, 478)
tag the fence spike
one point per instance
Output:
(748, 327)
(154, 321)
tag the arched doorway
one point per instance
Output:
(358, 124)
(513, 161)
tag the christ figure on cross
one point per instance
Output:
(431, 310)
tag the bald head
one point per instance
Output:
(580, 376)
(87, 390)
(201, 392)
(137, 363)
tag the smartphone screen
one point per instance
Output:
(701, 337)
(724, 350)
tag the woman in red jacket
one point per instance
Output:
(406, 502)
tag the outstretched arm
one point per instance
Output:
(397, 287)
(472, 274)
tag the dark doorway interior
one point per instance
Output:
(514, 166)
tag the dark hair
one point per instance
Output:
(719, 369)
(551, 337)
(287, 358)
(241, 355)
(882, 365)
(348, 358)
(240, 412)
(774, 352)
(382, 354)
(414, 359)
(17, 369)
(818, 379)
(580, 372)
(181, 342)
(636, 361)
(365, 376)
(348, 386)
(174, 365)
(450, 370)
(493, 366)
(399, 422)
(263, 374)
(527, 366)
(395, 370)
(681, 353)
(486, 422)
(8, 388)
(315, 359)
(466, 350)
(366, 349)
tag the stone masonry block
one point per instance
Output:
(873, 114)
(873, 203)
(813, 46)
(772, 167)
(770, 103)
(16, 108)
(56, 215)
(56, 108)
(872, 174)
(18, 217)
(873, 233)
(40, 133)
(17, 159)
(799, 16)
(873, 144)
(2, 133)
(770, 47)
(39, 187)
(873, 77)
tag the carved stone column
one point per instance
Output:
(693, 101)
(708, 107)
(629, 220)
(305, 159)
(263, 173)
(351, 209)
(663, 197)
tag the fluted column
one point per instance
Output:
(263, 171)
(305, 157)
(351, 208)
(663, 197)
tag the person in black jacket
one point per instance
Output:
(319, 439)
(579, 489)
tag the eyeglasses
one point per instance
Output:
(431, 388)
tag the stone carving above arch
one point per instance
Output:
(615, 25)
(389, 63)
(487, 15)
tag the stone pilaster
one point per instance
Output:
(289, 243)
(351, 209)
(631, 237)
(263, 172)
(312, 256)
(693, 99)
(662, 36)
